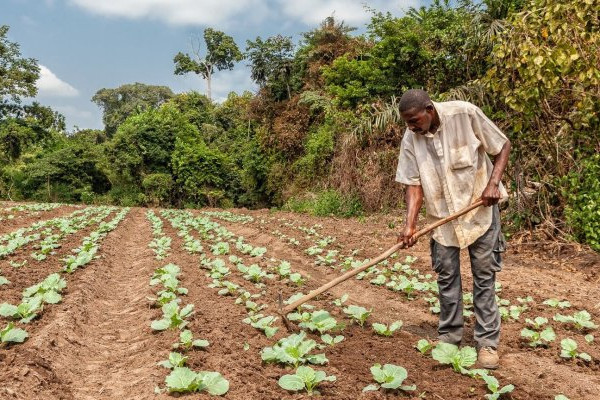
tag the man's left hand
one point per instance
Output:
(491, 194)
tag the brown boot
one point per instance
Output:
(488, 358)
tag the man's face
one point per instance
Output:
(419, 121)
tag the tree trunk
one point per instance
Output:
(208, 87)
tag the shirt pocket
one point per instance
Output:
(460, 157)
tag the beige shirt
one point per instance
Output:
(453, 168)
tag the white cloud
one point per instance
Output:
(50, 85)
(352, 12)
(180, 12)
(235, 13)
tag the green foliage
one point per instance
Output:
(19, 74)
(304, 378)
(221, 54)
(205, 175)
(546, 68)
(459, 359)
(385, 330)
(326, 203)
(436, 48)
(318, 151)
(293, 350)
(10, 334)
(118, 104)
(144, 143)
(581, 189)
(184, 380)
(389, 376)
(569, 350)
(158, 188)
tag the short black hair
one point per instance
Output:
(414, 98)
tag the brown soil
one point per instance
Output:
(25, 218)
(97, 344)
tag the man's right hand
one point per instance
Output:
(406, 236)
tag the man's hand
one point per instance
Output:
(491, 194)
(406, 236)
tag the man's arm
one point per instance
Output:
(414, 201)
(491, 194)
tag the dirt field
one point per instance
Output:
(98, 344)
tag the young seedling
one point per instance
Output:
(175, 360)
(459, 359)
(320, 321)
(186, 341)
(296, 279)
(358, 314)
(184, 380)
(49, 289)
(284, 269)
(589, 338)
(379, 280)
(424, 345)
(258, 252)
(10, 334)
(305, 378)
(581, 320)
(15, 264)
(229, 288)
(537, 323)
(340, 302)
(555, 303)
(389, 376)
(3, 280)
(384, 330)
(330, 340)
(293, 350)
(26, 311)
(539, 338)
(220, 248)
(434, 304)
(494, 386)
(569, 350)
(173, 317)
(253, 273)
(262, 323)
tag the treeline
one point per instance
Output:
(322, 133)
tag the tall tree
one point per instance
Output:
(271, 60)
(118, 104)
(221, 53)
(17, 74)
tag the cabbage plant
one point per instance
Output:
(305, 378)
(389, 376)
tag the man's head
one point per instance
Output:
(418, 112)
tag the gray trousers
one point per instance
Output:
(485, 255)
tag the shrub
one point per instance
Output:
(582, 190)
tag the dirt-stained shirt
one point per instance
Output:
(453, 169)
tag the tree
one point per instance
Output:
(144, 143)
(17, 75)
(271, 60)
(546, 70)
(221, 54)
(118, 104)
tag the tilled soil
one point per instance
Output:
(98, 344)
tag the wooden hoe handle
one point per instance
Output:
(291, 307)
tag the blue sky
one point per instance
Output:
(86, 45)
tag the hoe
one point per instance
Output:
(283, 311)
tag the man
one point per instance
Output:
(443, 160)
